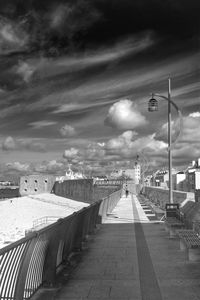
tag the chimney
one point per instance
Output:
(193, 163)
(198, 162)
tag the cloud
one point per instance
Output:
(125, 115)
(12, 36)
(40, 124)
(195, 114)
(190, 129)
(67, 131)
(66, 20)
(128, 146)
(122, 141)
(25, 70)
(71, 153)
(19, 167)
(52, 166)
(9, 144)
(31, 146)
(93, 152)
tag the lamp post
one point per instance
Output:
(153, 106)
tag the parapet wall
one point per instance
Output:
(160, 196)
(83, 190)
(79, 190)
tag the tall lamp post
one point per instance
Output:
(153, 106)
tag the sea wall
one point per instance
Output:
(160, 196)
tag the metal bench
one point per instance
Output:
(172, 224)
(190, 241)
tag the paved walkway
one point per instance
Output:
(133, 258)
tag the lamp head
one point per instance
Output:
(153, 104)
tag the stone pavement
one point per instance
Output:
(131, 257)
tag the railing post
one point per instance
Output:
(49, 272)
(21, 279)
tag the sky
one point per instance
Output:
(76, 77)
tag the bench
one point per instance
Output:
(172, 224)
(190, 241)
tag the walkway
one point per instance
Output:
(131, 258)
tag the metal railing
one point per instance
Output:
(36, 259)
(109, 203)
(44, 220)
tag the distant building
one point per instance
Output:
(69, 175)
(193, 176)
(116, 174)
(132, 173)
(179, 182)
(161, 178)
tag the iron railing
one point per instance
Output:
(109, 203)
(36, 259)
(44, 220)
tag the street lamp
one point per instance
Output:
(153, 106)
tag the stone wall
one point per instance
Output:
(36, 184)
(82, 190)
(160, 196)
(9, 192)
(79, 190)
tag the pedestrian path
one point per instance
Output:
(131, 258)
(124, 212)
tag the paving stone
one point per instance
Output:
(126, 289)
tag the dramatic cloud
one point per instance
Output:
(189, 130)
(125, 115)
(67, 131)
(121, 142)
(65, 63)
(127, 145)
